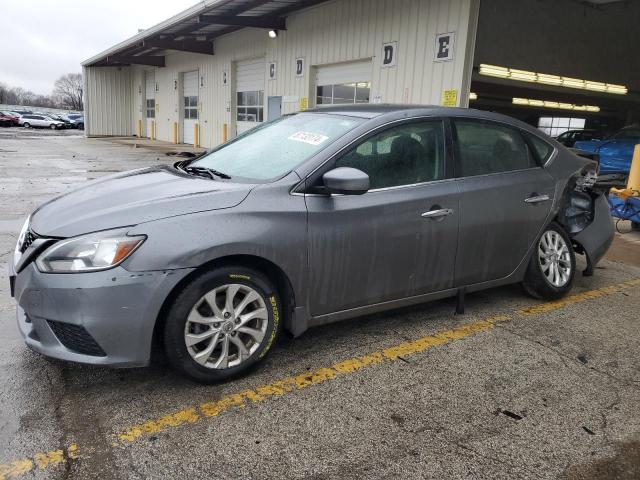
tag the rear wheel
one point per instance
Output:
(552, 266)
(26, 124)
(221, 324)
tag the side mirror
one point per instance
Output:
(346, 181)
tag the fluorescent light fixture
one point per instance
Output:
(549, 79)
(551, 104)
(473, 96)
(273, 33)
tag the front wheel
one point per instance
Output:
(222, 323)
(26, 124)
(552, 266)
(53, 127)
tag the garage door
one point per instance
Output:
(190, 106)
(150, 100)
(343, 83)
(250, 78)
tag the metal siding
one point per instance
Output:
(108, 96)
(334, 32)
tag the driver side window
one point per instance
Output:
(404, 155)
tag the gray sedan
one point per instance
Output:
(312, 218)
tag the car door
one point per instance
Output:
(39, 121)
(398, 239)
(505, 199)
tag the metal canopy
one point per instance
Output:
(195, 29)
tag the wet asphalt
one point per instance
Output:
(552, 394)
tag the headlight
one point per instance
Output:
(89, 253)
(17, 253)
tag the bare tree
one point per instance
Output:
(68, 91)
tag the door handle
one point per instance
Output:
(442, 212)
(537, 199)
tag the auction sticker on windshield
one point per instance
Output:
(308, 137)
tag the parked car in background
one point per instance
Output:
(78, 119)
(71, 123)
(8, 120)
(32, 120)
(67, 123)
(570, 137)
(615, 153)
(312, 218)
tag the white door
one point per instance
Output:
(250, 78)
(190, 106)
(343, 83)
(150, 100)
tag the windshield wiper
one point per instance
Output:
(202, 171)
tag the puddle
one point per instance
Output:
(624, 465)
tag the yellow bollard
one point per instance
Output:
(153, 129)
(225, 133)
(175, 133)
(139, 129)
(196, 135)
(633, 183)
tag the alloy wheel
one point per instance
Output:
(226, 326)
(554, 258)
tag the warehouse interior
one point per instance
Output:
(559, 64)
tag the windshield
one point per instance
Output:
(276, 148)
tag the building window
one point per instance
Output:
(151, 107)
(250, 106)
(343, 93)
(191, 108)
(554, 126)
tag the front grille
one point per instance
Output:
(29, 238)
(76, 338)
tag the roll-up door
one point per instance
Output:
(250, 80)
(343, 83)
(189, 105)
(150, 101)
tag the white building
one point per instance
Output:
(222, 66)
(213, 71)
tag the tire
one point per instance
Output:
(53, 126)
(26, 124)
(193, 306)
(540, 280)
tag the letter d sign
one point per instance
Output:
(389, 54)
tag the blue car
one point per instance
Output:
(615, 152)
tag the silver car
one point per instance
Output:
(312, 218)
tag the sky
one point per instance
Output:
(41, 40)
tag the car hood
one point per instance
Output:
(131, 198)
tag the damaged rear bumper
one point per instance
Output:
(596, 238)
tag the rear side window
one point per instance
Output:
(485, 147)
(541, 148)
(405, 155)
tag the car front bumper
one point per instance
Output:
(100, 318)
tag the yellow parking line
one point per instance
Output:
(289, 385)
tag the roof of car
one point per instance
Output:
(370, 111)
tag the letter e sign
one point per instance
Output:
(273, 70)
(389, 54)
(445, 43)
